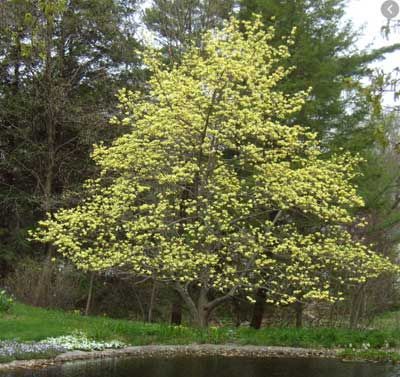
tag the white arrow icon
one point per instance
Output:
(390, 9)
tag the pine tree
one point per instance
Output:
(324, 58)
(60, 65)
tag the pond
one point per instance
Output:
(212, 367)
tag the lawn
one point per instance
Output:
(25, 323)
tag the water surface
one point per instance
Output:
(213, 367)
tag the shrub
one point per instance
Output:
(6, 302)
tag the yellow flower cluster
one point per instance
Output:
(209, 187)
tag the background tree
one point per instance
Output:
(61, 63)
(180, 23)
(376, 139)
(324, 58)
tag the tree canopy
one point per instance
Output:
(209, 189)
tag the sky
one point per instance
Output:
(366, 14)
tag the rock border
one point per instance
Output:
(168, 351)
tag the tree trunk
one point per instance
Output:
(201, 312)
(152, 300)
(176, 313)
(51, 153)
(41, 292)
(237, 311)
(357, 307)
(258, 309)
(139, 301)
(90, 294)
(356, 304)
(203, 309)
(176, 310)
(299, 314)
(183, 292)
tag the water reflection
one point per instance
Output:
(213, 367)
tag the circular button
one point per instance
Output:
(390, 9)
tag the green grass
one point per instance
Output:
(320, 337)
(387, 321)
(26, 323)
(371, 355)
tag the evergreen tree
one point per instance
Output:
(324, 58)
(61, 63)
(180, 23)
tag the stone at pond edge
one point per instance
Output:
(171, 351)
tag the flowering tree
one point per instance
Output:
(210, 191)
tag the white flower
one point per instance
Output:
(79, 341)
